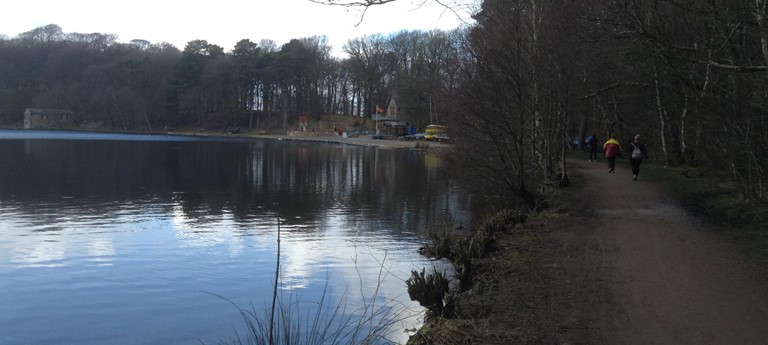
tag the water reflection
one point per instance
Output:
(143, 227)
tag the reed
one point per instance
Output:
(318, 322)
(288, 320)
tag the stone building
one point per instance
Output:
(48, 118)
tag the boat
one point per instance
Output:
(436, 133)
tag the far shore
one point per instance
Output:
(362, 140)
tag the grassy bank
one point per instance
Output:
(518, 294)
(497, 298)
(712, 199)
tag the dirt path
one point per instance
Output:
(634, 268)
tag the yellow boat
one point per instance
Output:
(436, 133)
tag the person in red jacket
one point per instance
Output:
(612, 151)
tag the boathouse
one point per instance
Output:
(48, 118)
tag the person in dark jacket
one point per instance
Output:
(612, 151)
(637, 153)
(593, 143)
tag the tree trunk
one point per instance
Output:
(683, 127)
(539, 132)
(662, 122)
(760, 7)
(285, 110)
(564, 180)
(582, 130)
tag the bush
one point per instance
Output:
(441, 237)
(430, 290)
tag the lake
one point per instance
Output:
(158, 239)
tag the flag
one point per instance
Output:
(379, 110)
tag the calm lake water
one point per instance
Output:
(137, 239)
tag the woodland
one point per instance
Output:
(144, 86)
(513, 87)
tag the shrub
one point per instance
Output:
(441, 237)
(430, 290)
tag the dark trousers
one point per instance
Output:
(636, 165)
(593, 155)
(611, 163)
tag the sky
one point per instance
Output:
(223, 22)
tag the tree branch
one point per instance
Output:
(352, 3)
(452, 6)
(736, 68)
(610, 87)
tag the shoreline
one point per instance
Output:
(366, 140)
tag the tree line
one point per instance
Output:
(144, 86)
(688, 75)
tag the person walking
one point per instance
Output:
(593, 148)
(638, 152)
(612, 151)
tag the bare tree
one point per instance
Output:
(43, 35)
(456, 7)
(353, 3)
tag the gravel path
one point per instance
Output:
(637, 269)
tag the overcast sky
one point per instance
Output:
(220, 22)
